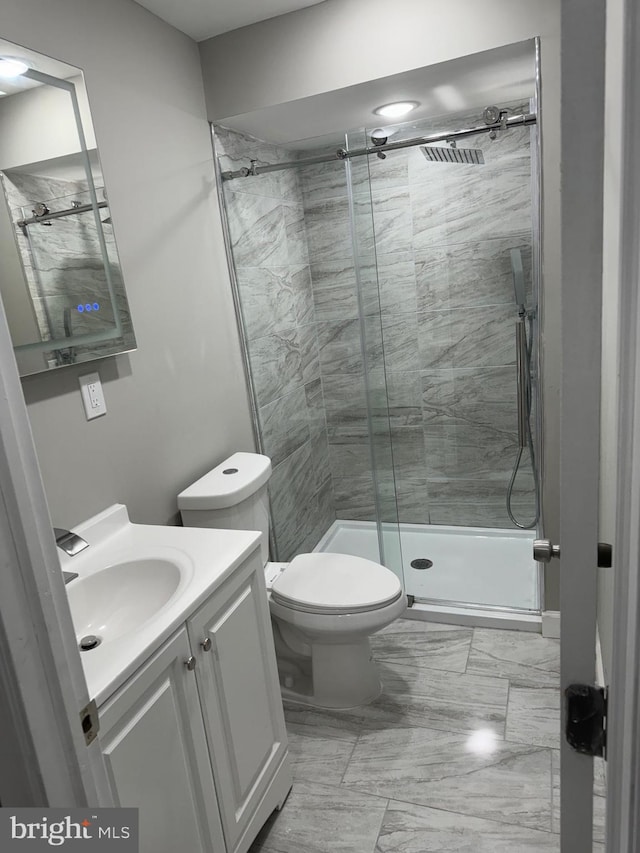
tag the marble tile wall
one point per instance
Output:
(434, 291)
(269, 241)
(442, 235)
(347, 304)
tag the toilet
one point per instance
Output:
(324, 607)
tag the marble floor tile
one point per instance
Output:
(428, 645)
(322, 722)
(323, 819)
(320, 759)
(533, 716)
(476, 774)
(415, 829)
(527, 660)
(454, 702)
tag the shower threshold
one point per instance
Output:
(479, 576)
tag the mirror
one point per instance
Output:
(60, 279)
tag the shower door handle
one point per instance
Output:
(544, 551)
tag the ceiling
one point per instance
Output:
(499, 76)
(202, 19)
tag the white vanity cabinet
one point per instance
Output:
(201, 750)
(155, 749)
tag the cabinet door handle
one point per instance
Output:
(190, 663)
(206, 645)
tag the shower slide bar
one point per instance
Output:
(58, 214)
(344, 154)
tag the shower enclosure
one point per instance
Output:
(388, 296)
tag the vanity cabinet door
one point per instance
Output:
(242, 707)
(155, 749)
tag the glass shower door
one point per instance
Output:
(378, 414)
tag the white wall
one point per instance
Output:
(177, 405)
(345, 42)
(610, 322)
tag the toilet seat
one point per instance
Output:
(335, 584)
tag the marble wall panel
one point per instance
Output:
(390, 230)
(268, 230)
(355, 497)
(322, 181)
(400, 338)
(471, 203)
(335, 293)
(284, 425)
(397, 283)
(257, 230)
(463, 337)
(268, 300)
(303, 305)
(300, 516)
(469, 274)
(328, 230)
(295, 233)
(340, 347)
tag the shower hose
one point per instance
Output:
(525, 348)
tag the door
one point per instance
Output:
(155, 749)
(240, 696)
(583, 30)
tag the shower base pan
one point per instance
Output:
(479, 576)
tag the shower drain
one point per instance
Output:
(89, 642)
(421, 563)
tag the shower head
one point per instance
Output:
(469, 156)
(518, 278)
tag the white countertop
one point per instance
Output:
(205, 557)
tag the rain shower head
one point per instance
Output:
(470, 156)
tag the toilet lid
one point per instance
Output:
(335, 583)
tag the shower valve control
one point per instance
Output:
(544, 551)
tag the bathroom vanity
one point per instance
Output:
(194, 733)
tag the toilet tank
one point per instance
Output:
(233, 496)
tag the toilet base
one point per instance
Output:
(341, 676)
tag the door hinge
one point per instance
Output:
(411, 600)
(90, 722)
(586, 720)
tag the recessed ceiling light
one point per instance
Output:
(12, 67)
(2, 94)
(397, 109)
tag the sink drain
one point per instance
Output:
(89, 642)
(421, 563)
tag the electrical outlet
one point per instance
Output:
(92, 396)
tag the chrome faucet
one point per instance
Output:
(71, 544)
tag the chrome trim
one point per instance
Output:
(69, 211)
(461, 605)
(537, 198)
(343, 154)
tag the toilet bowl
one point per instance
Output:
(324, 607)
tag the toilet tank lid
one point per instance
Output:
(231, 482)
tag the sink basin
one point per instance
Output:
(121, 598)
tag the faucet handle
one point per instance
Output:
(70, 542)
